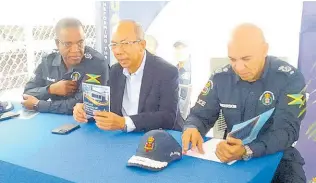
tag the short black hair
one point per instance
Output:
(66, 23)
(178, 44)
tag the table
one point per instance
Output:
(30, 153)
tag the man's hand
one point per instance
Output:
(63, 88)
(79, 114)
(29, 102)
(229, 150)
(109, 121)
(192, 135)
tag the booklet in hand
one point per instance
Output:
(95, 96)
(248, 130)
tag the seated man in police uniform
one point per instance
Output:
(250, 85)
(56, 86)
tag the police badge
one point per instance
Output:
(267, 98)
(75, 76)
(149, 146)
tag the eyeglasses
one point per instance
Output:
(123, 44)
(80, 44)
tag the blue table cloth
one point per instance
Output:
(29, 152)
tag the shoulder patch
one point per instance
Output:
(207, 87)
(88, 55)
(286, 69)
(218, 70)
(93, 54)
(222, 69)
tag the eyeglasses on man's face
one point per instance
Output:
(66, 44)
(123, 44)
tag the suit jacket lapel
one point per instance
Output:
(121, 79)
(146, 82)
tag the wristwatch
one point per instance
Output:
(35, 106)
(248, 154)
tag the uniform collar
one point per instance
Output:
(265, 70)
(139, 70)
(57, 60)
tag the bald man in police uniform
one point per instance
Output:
(56, 86)
(252, 84)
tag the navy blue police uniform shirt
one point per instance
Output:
(185, 72)
(52, 69)
(281, 86)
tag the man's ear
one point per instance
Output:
(143, 44)
(266, 49)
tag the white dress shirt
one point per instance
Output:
(131, 94)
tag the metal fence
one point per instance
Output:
(21, 49)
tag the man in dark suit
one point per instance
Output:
(144, 87)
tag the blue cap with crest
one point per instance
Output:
(157, 149)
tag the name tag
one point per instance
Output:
(201, 102)
(50, 79)
(230, 106)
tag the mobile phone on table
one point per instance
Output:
(8, 115)
(65, 129)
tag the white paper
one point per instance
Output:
(209, 148)
(210, 133)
